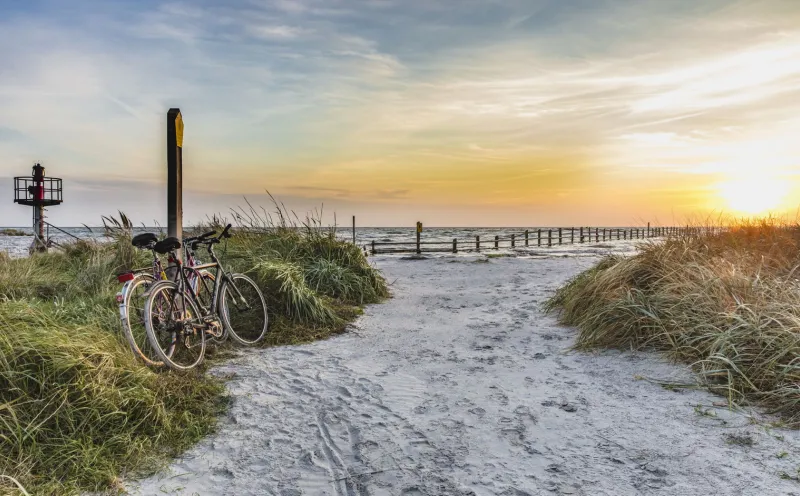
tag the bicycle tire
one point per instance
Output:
(132, 314)
(160, 303)
(258, 322)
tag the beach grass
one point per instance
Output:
(79, 413)
(728, 303)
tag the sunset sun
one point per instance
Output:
(752, 196)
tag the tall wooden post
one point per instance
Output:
(455, 245)
(581, 234)
(513, 242)
(175, 174)
(539, 237)
(572, 235)
(526, 238)
(354, 229)
(419, 232)
(648, 229)
(549, 237)
(477, 243)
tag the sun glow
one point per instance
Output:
(753, 195)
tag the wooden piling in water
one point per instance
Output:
(526, 238)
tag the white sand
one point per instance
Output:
(459, 385)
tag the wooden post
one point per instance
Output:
(581, 234)
(624, 234)
(455, 245)
(572, 235)
(526, 238)
(477, 243)
(354, 229)
(648, 229)
(496, 242)
(175, 174)
(549, 237)
(559, 236)
(373, 246)
(539, 237)
(513, 242)
(419, 233)
(596, 234)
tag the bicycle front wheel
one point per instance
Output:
(174, 327)
(133, 322)
(243, 309)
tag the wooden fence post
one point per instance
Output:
(581, 234)
(354, 229)
(549, 237)
(477, 243)
(559, 235)
(513, 242)
(419, 232)
(539, 237)
(373, 246)
(496, 241)
(596, 234)
(526, 238)
(455, 245)
(572, 235)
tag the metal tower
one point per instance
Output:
(38, 192)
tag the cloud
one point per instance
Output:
(403, 101)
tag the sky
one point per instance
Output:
(453, 113)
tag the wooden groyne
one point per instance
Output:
(532, 238)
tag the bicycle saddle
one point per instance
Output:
(166, 245)
(144, 239)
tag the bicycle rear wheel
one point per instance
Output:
(174, 327)
(132, 317)
(243, 309)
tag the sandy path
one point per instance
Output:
(459, 385)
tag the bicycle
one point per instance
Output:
(136, 283)
(177, 322)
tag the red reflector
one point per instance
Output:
(128, 276)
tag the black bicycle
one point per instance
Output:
(178, 322)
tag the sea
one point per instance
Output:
(17, 246)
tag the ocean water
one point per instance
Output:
(17, 246)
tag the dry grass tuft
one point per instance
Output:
(727, 303)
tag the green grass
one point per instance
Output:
(78, 412)
(728, 304)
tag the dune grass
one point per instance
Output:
(78, 412)
(727, 303)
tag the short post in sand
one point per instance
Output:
(496, 242)
(419, 232)
(175, 174)
(455, 245)
(477, 243)
(526, 238)
(581, 234)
